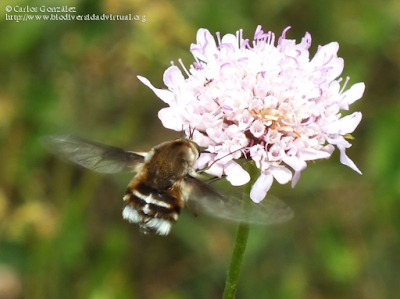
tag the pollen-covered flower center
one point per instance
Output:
(267, 119)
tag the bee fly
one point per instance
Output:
(165, 181)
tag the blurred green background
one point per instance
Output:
(61, 230)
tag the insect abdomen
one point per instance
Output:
(153, 210)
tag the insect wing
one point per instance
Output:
(270, 211)
(92, 155)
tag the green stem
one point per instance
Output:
(242, 234)
(235, 266)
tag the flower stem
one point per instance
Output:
(242, 234)
(232, 279)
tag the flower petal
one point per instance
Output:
(308, 154)
(345, 160)
(353, 94)
(165, 95)
(169, 119)
(296, 163)
(281, 174)
(235, 174)
(201, 139)
(205, 47)
(203, 160)
(257, 128)
(216, 170)
(296, 178)
(345, 125)
(261, 187)
(173, 78)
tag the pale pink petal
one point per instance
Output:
(258, 154)
(337, 66)
(173, 78)
(325, 53)
(165, 95)
(257, 128)
(281, 174)
(345, 125)
(296, 163)
(201, 139)
(261, 186)
(235, 174)
(169, 119)
(296, 178)
(205, 47)
(345, 160)
(308, 154)
(229, 43)
(339, 139)
(329, 148)
(326, 56)
(230, 39)
(203, 160)
(353, 94)
(216, 170)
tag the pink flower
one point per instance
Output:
(270, 104)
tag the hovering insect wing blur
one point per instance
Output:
(165, 181)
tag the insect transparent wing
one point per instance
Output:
(92, 155)
(270, 211)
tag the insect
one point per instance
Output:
(166, 180)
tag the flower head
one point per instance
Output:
(270, 104)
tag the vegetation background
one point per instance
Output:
(61, 230)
